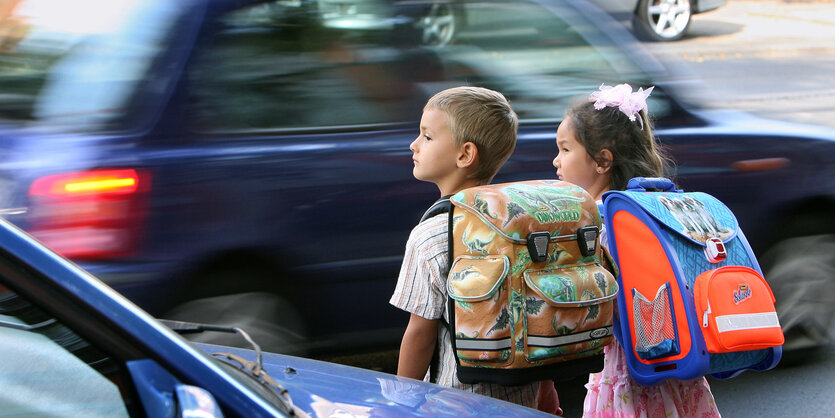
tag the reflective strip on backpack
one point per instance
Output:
(559, 340)
(742, 322)
(482, 345)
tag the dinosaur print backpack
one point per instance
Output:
(693, 300)
(530, 291)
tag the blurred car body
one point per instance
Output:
(71, 346)
(246, 164)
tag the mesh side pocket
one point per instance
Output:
(655, 331)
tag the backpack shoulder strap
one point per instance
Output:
(440, 206)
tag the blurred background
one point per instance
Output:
(771, 58)
(246, 163)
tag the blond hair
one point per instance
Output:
(483, 117)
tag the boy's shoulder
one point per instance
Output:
(429, 238)
(433, 228)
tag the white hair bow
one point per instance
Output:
(622, 97)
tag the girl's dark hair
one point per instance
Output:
(635, 151)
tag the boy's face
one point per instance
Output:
(435, 152)
(572, 162)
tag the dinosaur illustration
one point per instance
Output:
(600, 279)
(460, 334)
(513, 210)
(464, 274)
(477, 244)
(523, 258)
(502, 322)
(555, 254)
(517, 305)
(561, 329)
(533, 306)
(482, 206)
(594, 310)
(557, 287)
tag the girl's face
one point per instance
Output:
(573, 163)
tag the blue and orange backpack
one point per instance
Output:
(693, 299)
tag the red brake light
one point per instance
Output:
(89, 215)
(85, 183)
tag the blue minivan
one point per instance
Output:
(246, 163)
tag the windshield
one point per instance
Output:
(75, 64)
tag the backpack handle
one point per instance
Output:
(641, 184)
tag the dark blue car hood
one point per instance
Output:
(327, 389)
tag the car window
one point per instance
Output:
(69, 67)
(48, 370)
(317, 65)
(263, 72)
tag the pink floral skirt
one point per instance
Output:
(613, 393)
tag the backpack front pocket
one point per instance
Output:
(569, 310)
(736, 307)
(478, 288)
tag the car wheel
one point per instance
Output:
(272, 322)
(801, 273)
(439, 24)
(662, 20)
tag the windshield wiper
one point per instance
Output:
(182, 327)
(253, 369)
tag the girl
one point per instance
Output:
(602, 143)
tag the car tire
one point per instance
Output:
(270, 320)
(662, 20)
(439, 23)
(801, 273)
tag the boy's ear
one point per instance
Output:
(467, 155)
(604, 160)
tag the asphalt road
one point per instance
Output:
(801, 386)
(772, 58)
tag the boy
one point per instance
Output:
(466, 134)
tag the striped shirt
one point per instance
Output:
(421, 290)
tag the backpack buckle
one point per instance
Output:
(587, 240)
(538, 245)
(715, 250)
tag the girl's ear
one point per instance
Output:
(467, 155)
(604, 160)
